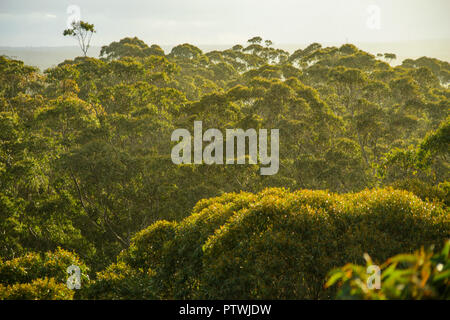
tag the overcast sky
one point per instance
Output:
(167, 22)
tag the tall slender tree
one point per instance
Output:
(83, 32)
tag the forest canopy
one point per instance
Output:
(86, 172)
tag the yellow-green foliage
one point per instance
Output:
(38, 289)
(34, 265)
(422, 275)
(426, 191)
(279, 244)
(39, 276)
(120, 281)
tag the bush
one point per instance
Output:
(417, 276)
(425, 191)
(33, 265)
(38, 289)
(279, 244)
(120, 281)
(39, 276)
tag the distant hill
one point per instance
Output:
(45, 57)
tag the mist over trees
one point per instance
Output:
(86, 173)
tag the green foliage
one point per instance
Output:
(120, 281)
(186, 51)
(436, 143)
(38, 289)
(129, 47)
(85, 162)
(37, 276)
(425, 191)
(278, 244)
(32, 266)
(82, 31)
(417, 276)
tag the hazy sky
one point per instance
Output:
(166, 22)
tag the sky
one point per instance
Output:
(168, 22)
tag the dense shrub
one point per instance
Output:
(39, 276)
(38, 289)
(422, 275)
(277, 244)
(35, 265)
(425, 191)
(120, 281)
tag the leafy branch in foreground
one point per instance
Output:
(417, 276)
